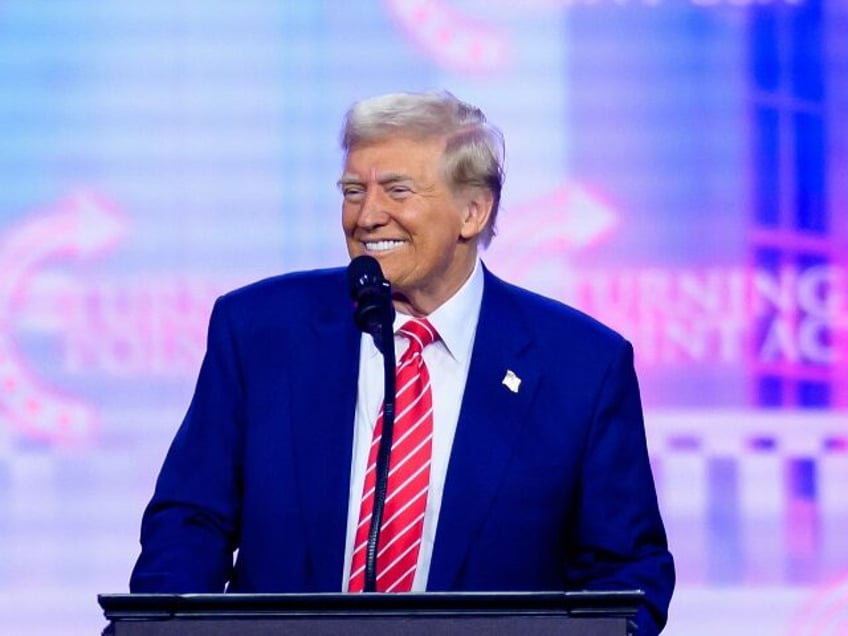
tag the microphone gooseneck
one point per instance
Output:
(374, 313)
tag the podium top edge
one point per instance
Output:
(616, 602)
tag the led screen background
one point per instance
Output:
(675, 167)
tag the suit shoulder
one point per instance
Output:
(554, 319)
(295, 293)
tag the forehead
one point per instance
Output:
(405, 155)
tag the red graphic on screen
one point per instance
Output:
(81, 226)
(542, 231)
(825, 614)
(451, 38)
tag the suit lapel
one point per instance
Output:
(324, 401)
(490, 421)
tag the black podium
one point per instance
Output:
(430, 614)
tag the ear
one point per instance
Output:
(477, 211)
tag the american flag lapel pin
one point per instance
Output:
(511, 381)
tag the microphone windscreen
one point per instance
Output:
(363, 273)
(372, 297)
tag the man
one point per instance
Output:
(533, 452)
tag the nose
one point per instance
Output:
(372, 214)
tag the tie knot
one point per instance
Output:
(420, 333)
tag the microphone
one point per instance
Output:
(374, 313)
(372, 296)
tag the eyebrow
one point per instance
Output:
(385, 179)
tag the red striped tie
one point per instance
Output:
(409, 472)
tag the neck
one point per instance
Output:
(422, 303)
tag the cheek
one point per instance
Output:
(348, 219)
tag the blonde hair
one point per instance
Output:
(474, 149)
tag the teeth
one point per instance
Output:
(381, 246)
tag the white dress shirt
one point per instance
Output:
(447, 361)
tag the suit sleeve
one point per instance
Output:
(190, 527)
(621, 542)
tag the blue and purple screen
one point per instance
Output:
(677, 168)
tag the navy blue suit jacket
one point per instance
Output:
(548, 488)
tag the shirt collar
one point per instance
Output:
(456, 319)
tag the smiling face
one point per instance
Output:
(399, 209)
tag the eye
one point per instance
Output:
(399, 191)
(353, 193)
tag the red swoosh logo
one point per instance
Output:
(80, 226)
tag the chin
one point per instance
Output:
(382, 257)
(388, 272)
